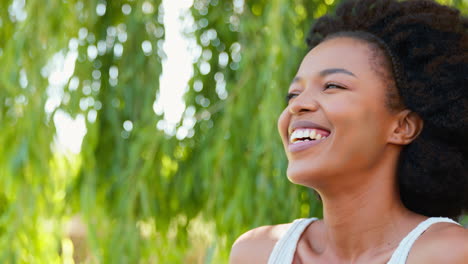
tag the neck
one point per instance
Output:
(365, 218)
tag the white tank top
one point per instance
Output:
(283, 252)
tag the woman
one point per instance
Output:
(377, 125)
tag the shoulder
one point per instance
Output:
(255, 245)
(441, 243)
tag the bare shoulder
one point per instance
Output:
(255, 246)
(441, 243)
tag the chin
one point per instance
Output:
(306, 177)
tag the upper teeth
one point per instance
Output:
(304, 135)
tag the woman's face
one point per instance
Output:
(339, 94)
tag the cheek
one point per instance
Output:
(342, 113)
(283, 122)
(359, 130)
(353, 115)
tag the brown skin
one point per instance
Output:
(353, 170)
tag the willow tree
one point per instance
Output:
(113, 47)
(135, 194)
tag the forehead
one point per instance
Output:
(351, 54)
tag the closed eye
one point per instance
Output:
(333, 85)
(290, 96)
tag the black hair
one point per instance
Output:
(425, 46)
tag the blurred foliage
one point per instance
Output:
(135, 193)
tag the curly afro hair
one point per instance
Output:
(424, 46)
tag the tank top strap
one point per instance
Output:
(285, 247)
(400, 255)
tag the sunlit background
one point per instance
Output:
(177, 70)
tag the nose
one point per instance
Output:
(303, 103)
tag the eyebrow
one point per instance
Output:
(335, 70)
(328, 72)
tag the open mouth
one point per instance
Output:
(307, 134)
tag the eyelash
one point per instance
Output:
(290, 96)
(333, 84)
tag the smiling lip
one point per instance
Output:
(295, 147)
(299, 146)
(305, 124)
